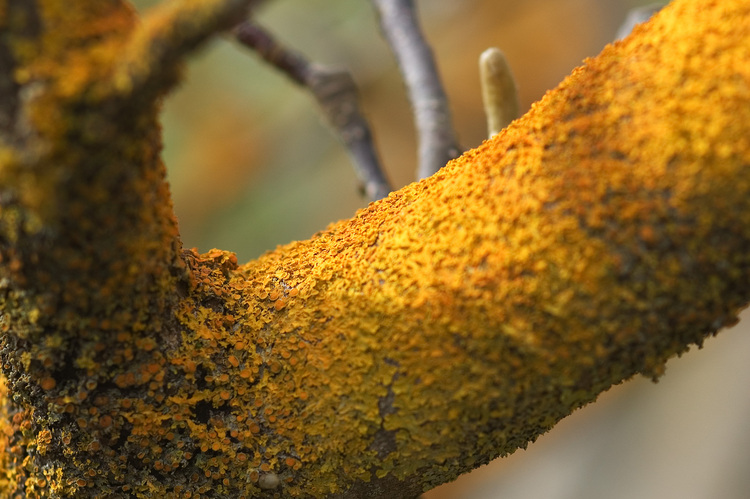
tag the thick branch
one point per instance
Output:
(437, 139)
(84, 210)
(455, 321)
(83, 190)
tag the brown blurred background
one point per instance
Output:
(252, 165)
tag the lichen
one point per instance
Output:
(448, 324)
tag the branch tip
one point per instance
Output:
(499, 90)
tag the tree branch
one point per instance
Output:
(63, 215)
(82, 88)
(452, 322)
(168, 32)
(437, 139)
(336, 93)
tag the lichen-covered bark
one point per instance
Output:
(450, 323)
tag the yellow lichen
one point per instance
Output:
(448, 324)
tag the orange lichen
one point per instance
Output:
(48, 383)
(450, 323)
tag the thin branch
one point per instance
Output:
(437, 139)
(336, 93)
(499, 91)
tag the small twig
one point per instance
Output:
(336, 93)
(437, 140)
(499, 91)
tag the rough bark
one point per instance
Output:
(450, 323)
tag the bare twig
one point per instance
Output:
(499, 92)
(336, 93)
(437, 140)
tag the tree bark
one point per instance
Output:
(448, 324)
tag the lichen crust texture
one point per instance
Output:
(450, 323)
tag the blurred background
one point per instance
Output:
(252, 165)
